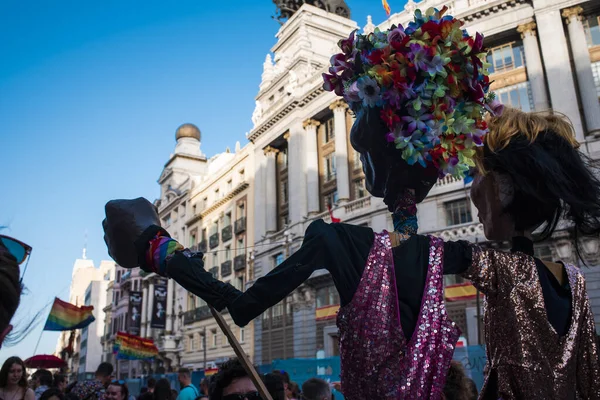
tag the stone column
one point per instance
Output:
(296, 173)
(341, 149)
(583, 68)
(558, 68)
(144, 310)
(535, 70)
(271, 189)
(312, 165)
(150, 306)
(170, 290)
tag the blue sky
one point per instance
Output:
(91, 93)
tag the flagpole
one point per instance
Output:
(38, 342)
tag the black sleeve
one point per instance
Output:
(457, 257)
(287, 276)
(266, 291)
(189, 272)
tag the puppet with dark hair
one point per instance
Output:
(419, 96)
(530, 179)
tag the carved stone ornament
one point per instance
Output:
(286, 8)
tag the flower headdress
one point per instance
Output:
(430, 80)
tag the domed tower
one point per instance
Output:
(188, 138)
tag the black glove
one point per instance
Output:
(128, 227)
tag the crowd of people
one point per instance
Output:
(231, 382)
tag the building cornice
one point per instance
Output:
(312, 94)
(229, 196)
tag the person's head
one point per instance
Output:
(151, 384)
(232, 383)
(117, 390)
(60, 382)
(13, 373)
(293, 391)
(274, 384)
(285, 377)
(12, 254)
(204, 385)
(316, 389)
(530, 173)
(185, 377)
(43, 377)
(162, 390)
(104, 373)
(53, 394)
(457, 385)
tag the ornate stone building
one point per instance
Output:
(543, 54)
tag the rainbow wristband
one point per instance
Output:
(159, 252)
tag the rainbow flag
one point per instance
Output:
(65, 316)
(131, 347)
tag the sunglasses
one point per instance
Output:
(245, 396)
(19, 250)
(118, 382)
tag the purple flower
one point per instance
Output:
(436, 67)
(332, 82)
(347, 44)
(496, 108)
(368, 91)
(390, 137)
(396, 35)
(351, 93)
(393, 97)
(338, 63)
(418, 56)
(416, 121)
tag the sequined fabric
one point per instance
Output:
(526, 357)
(378, 362)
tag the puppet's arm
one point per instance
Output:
(187, 269)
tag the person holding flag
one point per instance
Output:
(419, 95)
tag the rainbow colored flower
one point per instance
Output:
(430, 80)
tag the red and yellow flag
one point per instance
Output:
(386, 6)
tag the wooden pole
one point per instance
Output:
(237, 348)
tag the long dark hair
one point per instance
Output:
(6, 369)
(551, 178)
(162, 390)
(11, 290)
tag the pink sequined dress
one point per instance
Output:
(378, 361)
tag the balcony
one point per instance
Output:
(226, 268)
(226, 233)
(197, 314)
(213, 241)
(202, 246)
(239, 262)
(240, 225)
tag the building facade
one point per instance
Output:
(544, 54)
(81, 348)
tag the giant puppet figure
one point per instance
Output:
(419, 95)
